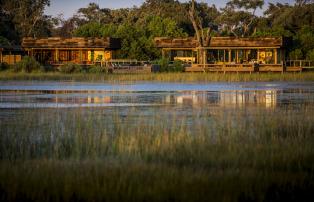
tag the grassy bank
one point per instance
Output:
(231, 154)
(162, 77)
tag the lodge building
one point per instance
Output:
(84, 51)
(226, 53)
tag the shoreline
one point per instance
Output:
(160, 77)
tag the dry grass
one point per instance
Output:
(212, 155)
(166, 77)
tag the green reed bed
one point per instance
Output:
(228, 154)
(163, 77)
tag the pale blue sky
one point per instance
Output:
(69, 7)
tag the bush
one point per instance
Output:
(310, 55)
(178, 66)
(4, 66)
(97, 69)
(296, 54)
(47, 68)
(27, 64)
(164, 64)
(70, 67)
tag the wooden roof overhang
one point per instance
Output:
(220, 43)
(71, 43)
(11, 48)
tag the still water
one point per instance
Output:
(52, 108)
(33, 95)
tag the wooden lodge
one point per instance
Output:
(83, 51)
(10, 54)
(227, 54)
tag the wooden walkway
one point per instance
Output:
(288, 66)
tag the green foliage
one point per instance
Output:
(97, 69)
(296, 55)
(178, 66)
(310, 55)
(92, 29)
(4, 66)
(27, 64)
(4, 41)
(70, 67)
(164, 64)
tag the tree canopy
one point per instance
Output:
(138, 26)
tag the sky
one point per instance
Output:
(69, 7)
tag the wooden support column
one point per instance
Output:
(81, 56)
(224, 56)
(276, 55)
(230, 55)
(162, 53)
(57, 55)
(1, 57)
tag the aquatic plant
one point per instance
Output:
(229, 154)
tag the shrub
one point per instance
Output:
(296, 54)
(178, 66)
(97, 69)
(164, 64)
(47, 68)
(27, 64)
(310, 55)
(70, 67)
(4, 66)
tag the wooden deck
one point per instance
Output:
(299, 65)
(131, 69)
(221, 68)
(270, 68)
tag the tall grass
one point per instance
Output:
(163, 77)
(228, 154)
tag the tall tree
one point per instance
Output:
(27, 15)
(203, 36)
(239, 16)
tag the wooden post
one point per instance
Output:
(162, 53)
(276, 60)
(57, 56)
(81, 56)
(1, 56)
(224, 56)
(229, 55)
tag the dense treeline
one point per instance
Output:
(137, 26)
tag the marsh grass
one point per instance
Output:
(228, 154)
(162, 77)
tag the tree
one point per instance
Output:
(93, 13)
(28, 16)
(239, 16)
(203, 36)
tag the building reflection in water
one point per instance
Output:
(267, 98)
(225, 98)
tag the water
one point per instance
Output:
(141, 102)
(153, 94)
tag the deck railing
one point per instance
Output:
(300, 63)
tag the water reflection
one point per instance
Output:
(223, 98)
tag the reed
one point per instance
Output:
(163, 77)
(229, 154)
